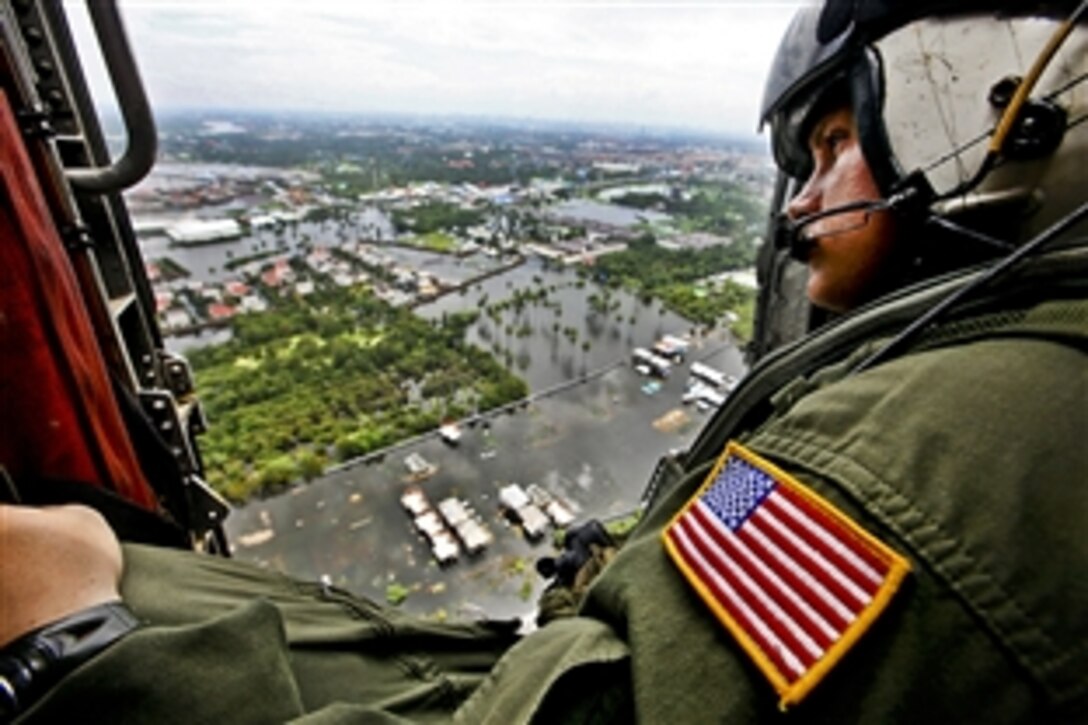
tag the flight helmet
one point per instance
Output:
(968, 111)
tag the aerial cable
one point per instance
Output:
(973, 234)
(1071, 83)
(1064, 88)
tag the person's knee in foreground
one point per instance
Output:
(55, 562)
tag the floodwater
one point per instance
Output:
(185, 343)
(603, 213)
(207, 262)
(543, 354)
(593, 442)
(589, 436)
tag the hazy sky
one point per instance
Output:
(687, 64)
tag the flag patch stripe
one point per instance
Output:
(787, 664)
(848, 553)
(845, 591)
(803, 582)
(807, 618)
(792, 578)
(787, 629)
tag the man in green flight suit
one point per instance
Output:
(881, 524)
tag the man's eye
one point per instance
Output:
(834, 140)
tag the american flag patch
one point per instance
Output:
(791, 577)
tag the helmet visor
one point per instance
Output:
(803, 70)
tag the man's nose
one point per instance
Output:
(806, 201)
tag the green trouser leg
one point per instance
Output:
(228, 642)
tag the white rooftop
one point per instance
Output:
(203, 230)
(430, 524)
(453, 511)
(533, 520)
(559, 514)
(474, 534)
(444, 547)
(414, 500)
(513, 496)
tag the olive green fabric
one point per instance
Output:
(969, 458)
(232, 668)
(225, 641)
(967, 455)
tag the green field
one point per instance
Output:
(332, 377)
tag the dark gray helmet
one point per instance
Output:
(928, 82)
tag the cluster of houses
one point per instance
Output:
(534, 509)
(191, 303)
(467, 193)
(406, 283)
(451, 526)
(187, 304)
(579, 233)
(447, 527)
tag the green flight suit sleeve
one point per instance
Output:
(559, 656)
(972, 460)
(967, 459)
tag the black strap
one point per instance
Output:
(32, 664)
(1052, 276)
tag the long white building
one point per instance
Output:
(203, 231)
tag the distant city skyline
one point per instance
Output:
(682, 65)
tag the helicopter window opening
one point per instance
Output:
(393, 245)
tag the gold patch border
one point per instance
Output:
(899, 567)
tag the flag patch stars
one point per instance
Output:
(792, 578)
